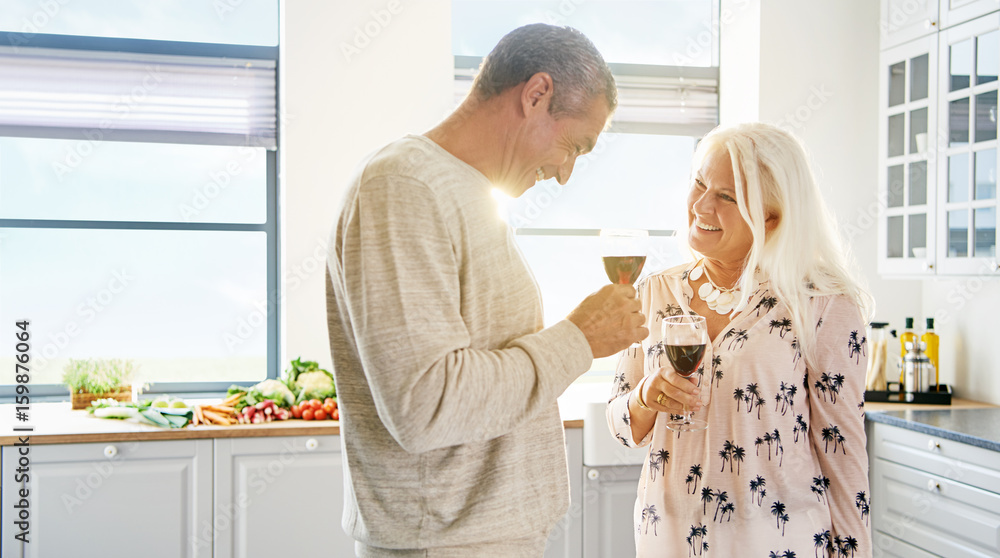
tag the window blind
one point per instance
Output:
(114, 95)
(672, 100)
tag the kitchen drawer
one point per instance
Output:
(945, 458)
(113, 499)
(890, 547)
(941, 516)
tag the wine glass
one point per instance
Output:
(624, 253)
(684, 340)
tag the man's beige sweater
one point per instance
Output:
(446, 380)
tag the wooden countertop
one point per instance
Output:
(55, 423)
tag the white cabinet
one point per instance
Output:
(953, 12)
(609, 495)
(935, 495)
(273, 495)
(566, 538)
(907, 139)
(905, 20)
(938, 146)
(967, 150)
(902, 21)
(121, 499)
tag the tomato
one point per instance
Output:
(320, 414)
(308, 414)
(315, 404)
(296, 411)
(329, 407)
(328, 400)
(336, 414)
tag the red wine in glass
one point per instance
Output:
(623, 270)
(685, 358)
(624, 253)
(685, 338)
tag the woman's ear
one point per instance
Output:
(771, 222)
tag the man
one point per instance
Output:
(447, 381)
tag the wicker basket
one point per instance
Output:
(83, 400)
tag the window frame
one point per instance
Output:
(58, 391)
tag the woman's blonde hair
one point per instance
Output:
(802, 255)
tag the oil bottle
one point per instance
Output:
(931, 340)
(908, 336)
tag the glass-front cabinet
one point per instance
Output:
(909, 92)
(939, 149)
(967, 200)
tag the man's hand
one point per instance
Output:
(610, 319)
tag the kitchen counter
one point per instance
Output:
(976, 427)
(55, 423)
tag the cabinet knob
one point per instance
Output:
(593, 474)
(933, 446)
(928, 23)
(312, 444)
(110, 451)
(933, 486)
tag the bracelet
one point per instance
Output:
(638, 394)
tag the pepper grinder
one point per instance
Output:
(917, 369)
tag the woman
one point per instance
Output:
(781, 469)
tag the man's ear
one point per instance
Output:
(537, 93)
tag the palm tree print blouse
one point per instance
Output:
(782, 469)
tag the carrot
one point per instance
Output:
(216, 417)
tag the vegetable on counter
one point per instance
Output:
(163, 412)
(309, 381)
(264, 411)
(316, 410)
(223, 414)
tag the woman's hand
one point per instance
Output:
(667, 391)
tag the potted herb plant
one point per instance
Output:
(92, 379)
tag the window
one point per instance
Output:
(664, 55)
(138, 174)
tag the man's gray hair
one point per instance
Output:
(578, 70)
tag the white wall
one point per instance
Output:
(338, 107)
(966, 319)
(810, 66)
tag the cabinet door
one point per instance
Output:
(944, 517)
(967, 199)
(275, 495)
(121, 499)
(609, 495)
(954, 12)
(567, 536)
(905, 20)
(908, 146)
(889, 547)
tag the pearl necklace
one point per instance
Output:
(722, 301)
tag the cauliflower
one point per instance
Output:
(315, 385)
(309, 381)
(276, 391)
